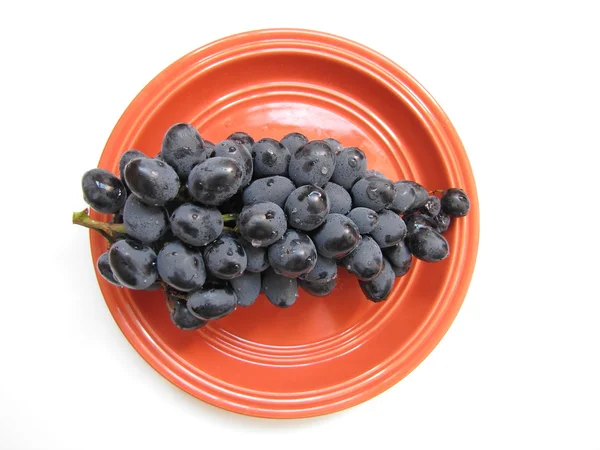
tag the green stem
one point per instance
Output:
(108, 230)
(229, 217)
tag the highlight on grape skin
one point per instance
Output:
(260, 218)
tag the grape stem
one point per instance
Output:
(437, 191)
(108, 230)
(229, 217)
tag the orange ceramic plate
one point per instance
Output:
(322, 354)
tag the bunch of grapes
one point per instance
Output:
(216, 225)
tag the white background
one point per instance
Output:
(520, 366)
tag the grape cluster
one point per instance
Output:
(214, 225)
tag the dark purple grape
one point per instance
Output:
(442, 222)
(215, 180)
(400, 257)
(339, 199)
(324, 271)
(455, 202)
(242, 138)
(103, 191)
(335, 145)
(104, 269)
(270, 158)
(239, 152)
(225, 257)
(373, 192)
(428, 245)
(209, 148)
(133, 264)
(365, 219)
(181, 267)
(271, 189)
(293, 255)
(246, 288)
(124, 160)
(318, 289)
(307, 207)
(144, 222)
(432, 206)
(421, 196)
(262, 223)
(378, 289)
(280, 290)
(293, 141)
(350, 166)
(390, 229)
(181, 316)
(405, 197)
(154, 182)
(417, 221)
(196, 225)
(337, 237)
(365, 261)
(313, 163)
(183, 149)
(212, 303)
(257, 257)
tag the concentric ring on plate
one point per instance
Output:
(322, 354)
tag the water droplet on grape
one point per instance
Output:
(368, 263)
(194, 216)
(230, 252)
(352, 161)
(232, 149)
(324, 170)
(270, 215)
(296, 220)
(255, 243)
(270, 182)
(349, 267)
(294, 210)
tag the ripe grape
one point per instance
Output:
(379, 288)
(390, 229)
(365, 219)
(103, 191)
(373, 192)
(313, 163)
(144, 222)
(196, 225)
(271, 189)
(211, 303)
(339, 199)
(455, 202)
(270, 158)
(154, 182)
(337, 237)
(181, 267)
(246, 288)
(365, 261)
(215, 180)
(427, 244)
(293, 255)
(262, 223)
(237, 151)
(133, 264)
(350, 166)
(293, 141)
(307, 207)
(281, 291)
(225, 257)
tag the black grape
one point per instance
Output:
(293, 141)
(428, 245)
(215, 180)
(183, 149)
(455, 202)
(350, 166)
(335, 145)
(432, 206)
(366, 260)
(281, 291)
(104, 269)
(405, 197)
(271, 189)
(307, 207)
(400, 257)
(181, 316)
(379, 288)
(196, 225)
(124, 160)
(324, 271)
(390, 229)
(239, 152)
(154, 182)
(103, 191)
(144, 222)
(337, 237)
(270, 158)
(211, 303)
(262, 223)
(181, 267)
(242, 138)
(365, 219)
(246, 288)
(293, 255)
(225, 257)
(133, 264)
(257, 257)
(318, 289)
(373, 192)
(313, 163)
(339, 199)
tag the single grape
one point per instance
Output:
(181, 267)
(432, 206)
(421, 196)
(238, 152)
(209, 148)
(243, 138)
(335, 145)
(196, 225)
(293, 255)
(280, 290)
(270, 158)
(104, 269)
(271, 189)
(318, 289)
(373, 192)
(154, 182)
(375, 173)
(350, 166)
(428, 245)
(246, 288)
(215, 180)
(379, 288)
(103, 191)
(225, 257)
(307, 207)
(324, 271)
(442, 222)
(262, 223)
(390, 229)
(183, 149)
(212, 303)
(144, 222)
(455, 202)
(133, 264)
(293, 141)
(339, 199)
(337, 237)
(181, 316)
(405, 197)
(365, 219)
(400, 257)
(257, 257)
(417, 221)
(124, 160)
(366, 260)
(313, 163)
